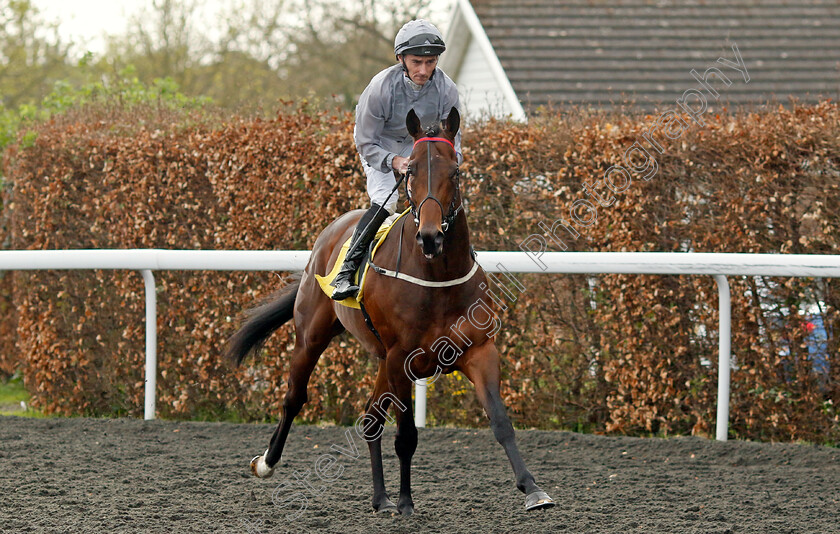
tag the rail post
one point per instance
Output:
(420, 403)
(724, 345)
(151, 344)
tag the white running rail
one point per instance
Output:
(718, 265)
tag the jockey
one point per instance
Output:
(381, 136)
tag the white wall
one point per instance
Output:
(481, 95)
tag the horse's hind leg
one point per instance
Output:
(314, 330)
(302, 364)
(375, 414)
(482, 368)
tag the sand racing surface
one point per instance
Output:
(127, 475)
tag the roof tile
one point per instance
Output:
(585, 53)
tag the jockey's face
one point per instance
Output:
(420, 68)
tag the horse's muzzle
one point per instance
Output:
(431, 242)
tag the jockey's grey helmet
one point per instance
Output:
(420, 38)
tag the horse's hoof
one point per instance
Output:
(537, 500)
(388, 507)
(407, 509)
(259, 468)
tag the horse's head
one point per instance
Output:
(433, 175)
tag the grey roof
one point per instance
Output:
(599, 53)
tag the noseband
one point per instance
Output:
(448, 219)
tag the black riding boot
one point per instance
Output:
(362, 236)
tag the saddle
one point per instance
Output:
(361, 273)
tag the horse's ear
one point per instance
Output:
(452, 122)
(412, 123)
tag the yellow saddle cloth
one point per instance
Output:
(361, 273)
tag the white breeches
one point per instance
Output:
(379, 186)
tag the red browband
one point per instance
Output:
(434, 139)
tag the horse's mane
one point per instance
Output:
(433, 130)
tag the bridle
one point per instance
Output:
(453, 212)
(446, 224)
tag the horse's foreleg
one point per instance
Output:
(482, 368)
(375, 410)
(405, 442)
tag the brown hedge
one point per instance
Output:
(631, 354)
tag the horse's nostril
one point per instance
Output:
(430, 242)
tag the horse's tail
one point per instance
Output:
(261, 321)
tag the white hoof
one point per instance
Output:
(259, 468)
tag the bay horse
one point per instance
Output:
(440, 282)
